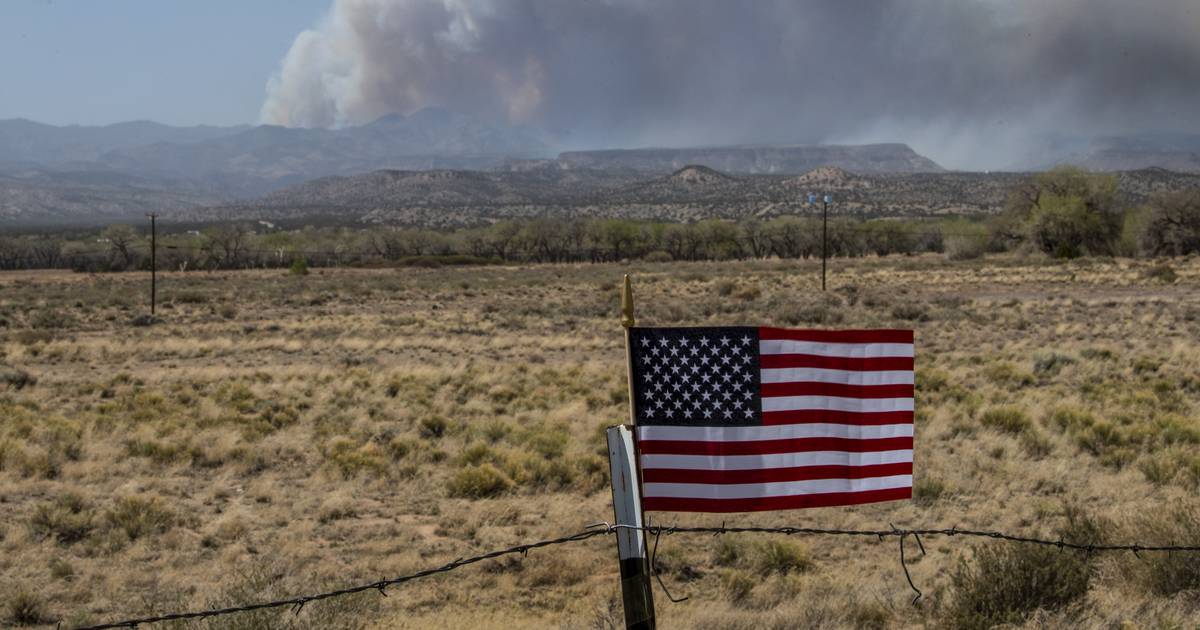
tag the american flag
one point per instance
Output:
(739, 419)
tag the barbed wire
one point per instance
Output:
(296, 604)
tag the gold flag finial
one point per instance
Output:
(627, 303)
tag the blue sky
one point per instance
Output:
(173, 61)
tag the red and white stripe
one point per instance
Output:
(837, 430)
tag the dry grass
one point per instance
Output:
(278, 432)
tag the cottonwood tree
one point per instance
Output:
(1172, 224)
(1069, 212)
(120, 241)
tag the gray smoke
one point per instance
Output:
(971, 83)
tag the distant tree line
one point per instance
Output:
(1065, 212)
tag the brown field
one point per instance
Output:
(278, 434)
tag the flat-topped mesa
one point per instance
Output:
(782, 160)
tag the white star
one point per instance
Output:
(654, 351)
(749, 412)
(674, 351)
(704, 341)
(724, 341)
(746, 340)
(725, 359)
(706, 395)
(708, 413)
(662, 341)
(727, 413)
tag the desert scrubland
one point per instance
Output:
(276, 434)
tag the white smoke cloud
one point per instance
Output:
(969, 82)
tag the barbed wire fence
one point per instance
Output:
(297, 603)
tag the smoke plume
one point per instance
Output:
(972, 83)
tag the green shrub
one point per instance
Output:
(1003, 583)
(910, 311)
(1070, 419)
(737, 585)
(477, 482)
(1050, 364)
(14, 379)
(433, 427)
(26, 608)
(67, 519)
(823, 311)
(1166, 574)
(299, 267)
(927, 491)
(1005, 373)
(138, 516)
(781, 556)
(1007, 419)
(658, 256)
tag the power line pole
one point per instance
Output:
(824, 237)
(153, 262)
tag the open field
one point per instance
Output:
(277, 434)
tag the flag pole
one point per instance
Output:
(636, 595)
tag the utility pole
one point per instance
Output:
(153, 262)
(824, 236)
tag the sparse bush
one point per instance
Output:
(52, 320)
(433, 426)
(138, 517)
(1007, 419)
(927, 491)
(781, 556)
(1049, 364)
(1162, 272)
(299, 267)
(1005, 373)
(15, 379)
(824, 310)
(26, 608)
(1166, 574)
(658, 256)
(967, 242)
(478, 482)
(67, 519)
(1003, 583)
(737, 585)
(910, 311)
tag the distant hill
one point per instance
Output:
(451, 198)
(1178, 152)
(32, 142)
(785, 160)
(251, 161)
(90, 197)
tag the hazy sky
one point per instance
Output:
(174, 61)
(971, 83)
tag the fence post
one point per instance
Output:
(636, 596)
